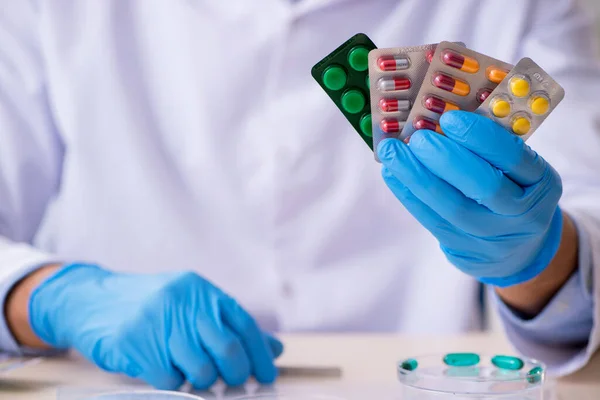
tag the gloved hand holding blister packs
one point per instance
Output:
(163, 329)
(489, 199)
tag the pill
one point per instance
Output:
(459, 61)
(391, 125)
(391, 84)
(495, 74)
(393, 105)
(358, 58)
(461, 359)
(353, 101)
(483, 94)
(521, 125)
(392, 63)
(409, 365)
(429, 56)
(424, 123)
(450, 84)
(500, 108)
(334, 78)
(519, 87)
(508, 362)
(438, 105)
(535, 374)
(366, 125)
(539, 105)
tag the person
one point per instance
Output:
(175, 189)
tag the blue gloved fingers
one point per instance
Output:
(226, 350)
(423, 213)
(493, 143)
(252, 338)
(190, 357)
(473, 176)
(275, 345)
(447, 201)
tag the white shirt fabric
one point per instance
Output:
(156, 135)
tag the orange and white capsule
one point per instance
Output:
(459, 61)
(424, 123)
(393, 105)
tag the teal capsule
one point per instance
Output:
(535, 375)
(409, 365)
(508, 362)
(461, 359)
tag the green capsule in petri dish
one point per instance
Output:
(461, 359)
(508, 362)
(409, 365)
(535, 375)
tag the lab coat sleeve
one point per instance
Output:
(562, 39)
(30, 149)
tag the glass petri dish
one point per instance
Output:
(471, 376)
(288, 397)
(143, 395)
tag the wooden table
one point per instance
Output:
(367, 364)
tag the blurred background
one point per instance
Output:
(595, 5)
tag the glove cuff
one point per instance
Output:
(48, 303)
(543, 259)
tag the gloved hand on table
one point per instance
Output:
(490, 200)
(163, 328)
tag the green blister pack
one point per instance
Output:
(344, 76)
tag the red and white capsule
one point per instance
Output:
(393, 84)
(392, 63)
(393, 105)
(391, 125)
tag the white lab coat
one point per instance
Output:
(163, 135)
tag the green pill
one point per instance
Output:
(353, 101)
(461, 359)
(409, 365)
(535, 375)
(366, 125)
(359, 58)
(508, 362)
(334, 78)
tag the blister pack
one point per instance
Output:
(344, 76)
(457, 79)
(396, 76)
(524, 99)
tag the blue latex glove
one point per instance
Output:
(490, 200)
(163, 329)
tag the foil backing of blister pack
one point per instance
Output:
(479, 85)
(534, 104)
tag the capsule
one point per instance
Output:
(539, 104)
(394, 105)
(521, 125)
(535, 375)
(391, 84)
(391, 125)
(438, 105)
(508, 362)
(483, 94)
(495, 74)
(519, 86)
(458, 61)
(500, 107)
(450, 84)
(392, 63)
(424, 123)
(461, 359)
(429, 56)
(409, 365)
